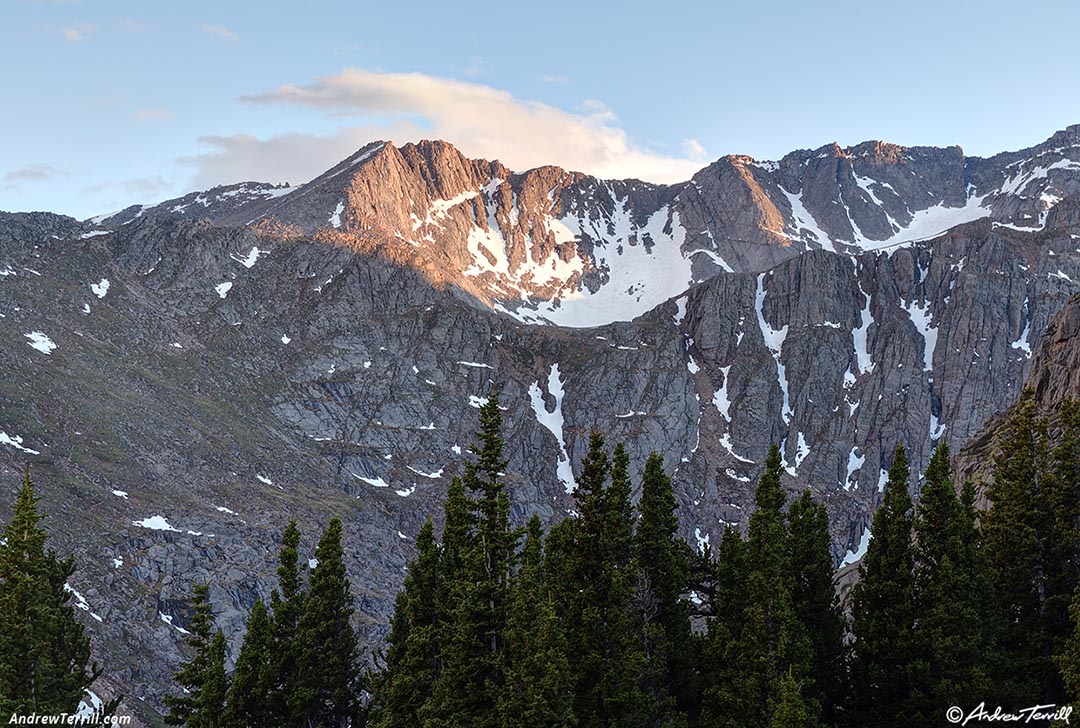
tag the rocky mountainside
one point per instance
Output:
(1054, 376)
(186, 377)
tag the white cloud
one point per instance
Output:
(694, 149)
(219, 31)
(480, 120)
(78, 32)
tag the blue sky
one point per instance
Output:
(113, 102)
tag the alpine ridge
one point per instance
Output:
(185, 377)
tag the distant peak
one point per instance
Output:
(878, 151)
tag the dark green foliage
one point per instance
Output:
(327, 675)
(1016, 529)
(816, 604)
(662, 560)
(590, 630)
(608, 658)
(539, 690)
(412, 648)
(951, 641)
(481, 547)
(202, 677)
(884, 609)
(247, 703)
(287, 604)
(792, 710)
(773, 640)
(1068, 658)
(44, 654)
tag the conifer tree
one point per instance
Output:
(661, 557)
(1068, 657)
(816, 604)
(287, 605)
(44, 654)
(1016, 529)
(327, 675)
(539, 689)
(412, 649)
(1062, 571)
(950, 637)
(247, 703)
(722, 698)
(792, 710)
(202, 677)
(472, 648)
(773, 640)
(883, 608)
(607, 660)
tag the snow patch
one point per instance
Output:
(100, 288)
(860, 551)
(553, 421)
(16, 442)
(725, 441)
(156, 523)
(476, 365)
(250, 259)
(41, 342)
(855, 462)
(167, 619)
(720, 398)
(335, 217)
(774, 340)
(920, 317)
(377, 482)
(803, 222)
(223, 289)
(437, 474)
(621, 251)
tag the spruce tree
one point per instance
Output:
(44, 654)
(409, 672)
(816, 604)
(662, 558)
(1016, 529)
(883, 608)
(950, 639)
(792, 710)
(327, 674)
(247, 703)
(1062, 572)
(1068, 657)
(539, 689)
(202, 678)
(723, 700)
(608, 658)
(471, 643)
(773, 640)
(287, 606)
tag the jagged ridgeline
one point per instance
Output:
(188, 377)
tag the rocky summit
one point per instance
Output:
(184, 378)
